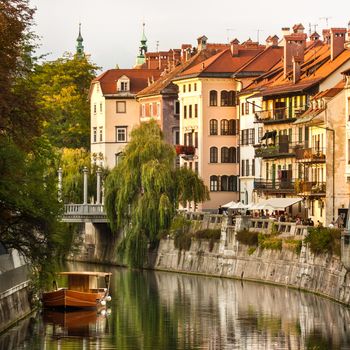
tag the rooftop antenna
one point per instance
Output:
(326, 19)
(258, 34)
(157, 45)
(228, 30)
(315, 27)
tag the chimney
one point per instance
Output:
(272, 41)
(285, 31)
(202, 42)
(337, 41)
(294, 46)
(234, 45)
(184, 51)
(297, 62)
(326, 36)
(298, 28)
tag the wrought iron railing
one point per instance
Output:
(279, 115)
(311, 154)
(284, 185)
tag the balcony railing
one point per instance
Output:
(278, 115)
(311, 154)
(310, 187)
(286, 185)
(279, 150)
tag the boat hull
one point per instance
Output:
(66, 298)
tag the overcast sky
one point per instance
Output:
(112, 28)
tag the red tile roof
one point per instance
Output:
(138, 79)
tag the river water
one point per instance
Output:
(160, 310)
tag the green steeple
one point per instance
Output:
(141, 58)
(80, 46)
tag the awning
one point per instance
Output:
(282, 203)
(269, 135)
(229, 204)
(235, 205)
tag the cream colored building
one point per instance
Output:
(115, 111)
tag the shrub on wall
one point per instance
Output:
(210, 234)
(324, 240)
(269, 242)
(247, 237)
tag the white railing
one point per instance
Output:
(84, 209)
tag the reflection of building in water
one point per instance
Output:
(224, 313)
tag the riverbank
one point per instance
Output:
(323, 274)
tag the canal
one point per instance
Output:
(160, 310)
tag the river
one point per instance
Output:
(160, 310)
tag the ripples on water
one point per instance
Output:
(158, 310)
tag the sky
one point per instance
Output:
(112, 28)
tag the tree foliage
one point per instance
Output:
(28, 193)
(143, 192)
(63, 87)
(72, 162)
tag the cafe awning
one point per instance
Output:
(282, 203)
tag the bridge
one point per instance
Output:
(94, 213)
(85, 212)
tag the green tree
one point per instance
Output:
(63, 88)
(143, 192)
(72, 162)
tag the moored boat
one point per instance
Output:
(82, 291)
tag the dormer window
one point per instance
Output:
(123, 84)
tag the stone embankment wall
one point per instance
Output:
(322, 274)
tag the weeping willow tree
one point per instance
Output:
(144, 191)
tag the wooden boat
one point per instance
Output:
(82, 291)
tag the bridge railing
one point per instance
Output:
(84, 209)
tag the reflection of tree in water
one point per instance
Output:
(316, 341)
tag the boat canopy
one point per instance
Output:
(85, 273)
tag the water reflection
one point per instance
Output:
(169, 311)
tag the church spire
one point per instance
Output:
(141, 58)
(80, 46)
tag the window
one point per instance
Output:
(253, 107)
(94, 134)
(300, 135)
(118, 158)
(253, 167)
(232, 127)
(196, 110)
(101, 133)
(190, 111)
(213, 98)
(224, 183)
(238, 155)
(120, 134)
(213, 126)
(243, 168)
(246, 108)
(100, 107)
(213, 154)
(196, 139)
(195, 87)
(121, 107)
(247, 167)
(177, 107)
(184, 88)
(232, 183)
(232, 154)
(228, 98)
(260, 133)
(242, 109)
(185, 112)
(189, 87)
(95, 108)
(251, 136)
(225, 157)
(214, 182)
(177, 137)
(224, 127)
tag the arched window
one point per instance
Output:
(228, 98)
(224, 183)
(224, 98)
(213, 126)
(214, 183)
(213, 98)
(232, 183)
(232, 155)
(232, 127)
(224, 127)
(224, 155)
(213, 154)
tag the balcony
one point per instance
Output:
(280, 150)
(278, 115)
(185, 152)
(272, 186)
(310, 155)
(310, 188)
